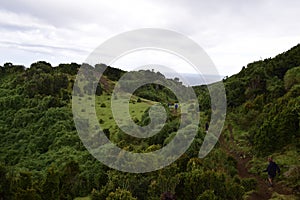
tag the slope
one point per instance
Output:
(263, 101)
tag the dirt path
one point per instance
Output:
(263, 192)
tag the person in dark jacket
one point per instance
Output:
(206, 127)
(272, 169)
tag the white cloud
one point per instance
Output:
(232, 32)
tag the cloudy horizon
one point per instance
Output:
(232, 33)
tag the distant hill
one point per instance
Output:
(196, 79)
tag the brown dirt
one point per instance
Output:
(263, 191)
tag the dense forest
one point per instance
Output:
(42, 156)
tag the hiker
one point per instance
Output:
(176, 106)
(206, 127)
(272, 169)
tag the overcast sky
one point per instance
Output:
(233, 33)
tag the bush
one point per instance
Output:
(96, 195)
(102, 105)
(249, 184)
(120, 194)
(207, 195)
(292, 77)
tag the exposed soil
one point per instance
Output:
(263, 191)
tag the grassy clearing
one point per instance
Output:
(104, 112)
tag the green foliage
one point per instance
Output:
(263, 99)
(292, 77)
(10, 68)
(96, 195)
(263, 77)
(46, 157)
(41, 66)
(207, 195)
(46, 84)
(50, 187)
(70, 69)
(126, 181)
(153, 91)
(120, 194)
(203, 97)
(201, 184)
(25, 188)
(111, 73)
(43, 157)
(275, 88)
(235, 91)
(279, 127)
(5, 191)
(165, 182)
(249, 184)
(69, 180)
(264, 107)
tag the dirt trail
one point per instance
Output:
(263, 192)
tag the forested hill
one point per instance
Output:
(264, 98)
(42, 157)
(263, 115)
(264, 77)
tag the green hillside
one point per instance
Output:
(42, 156)
(264, 106)
(264, 100)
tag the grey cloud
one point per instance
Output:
(50, 13)
(63, 14)
(214, 24)
(13, 27)
(33, 47)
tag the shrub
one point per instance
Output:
(249, 184)
(102, 105)
(120, 194)
(292, 77)
(207, 195)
